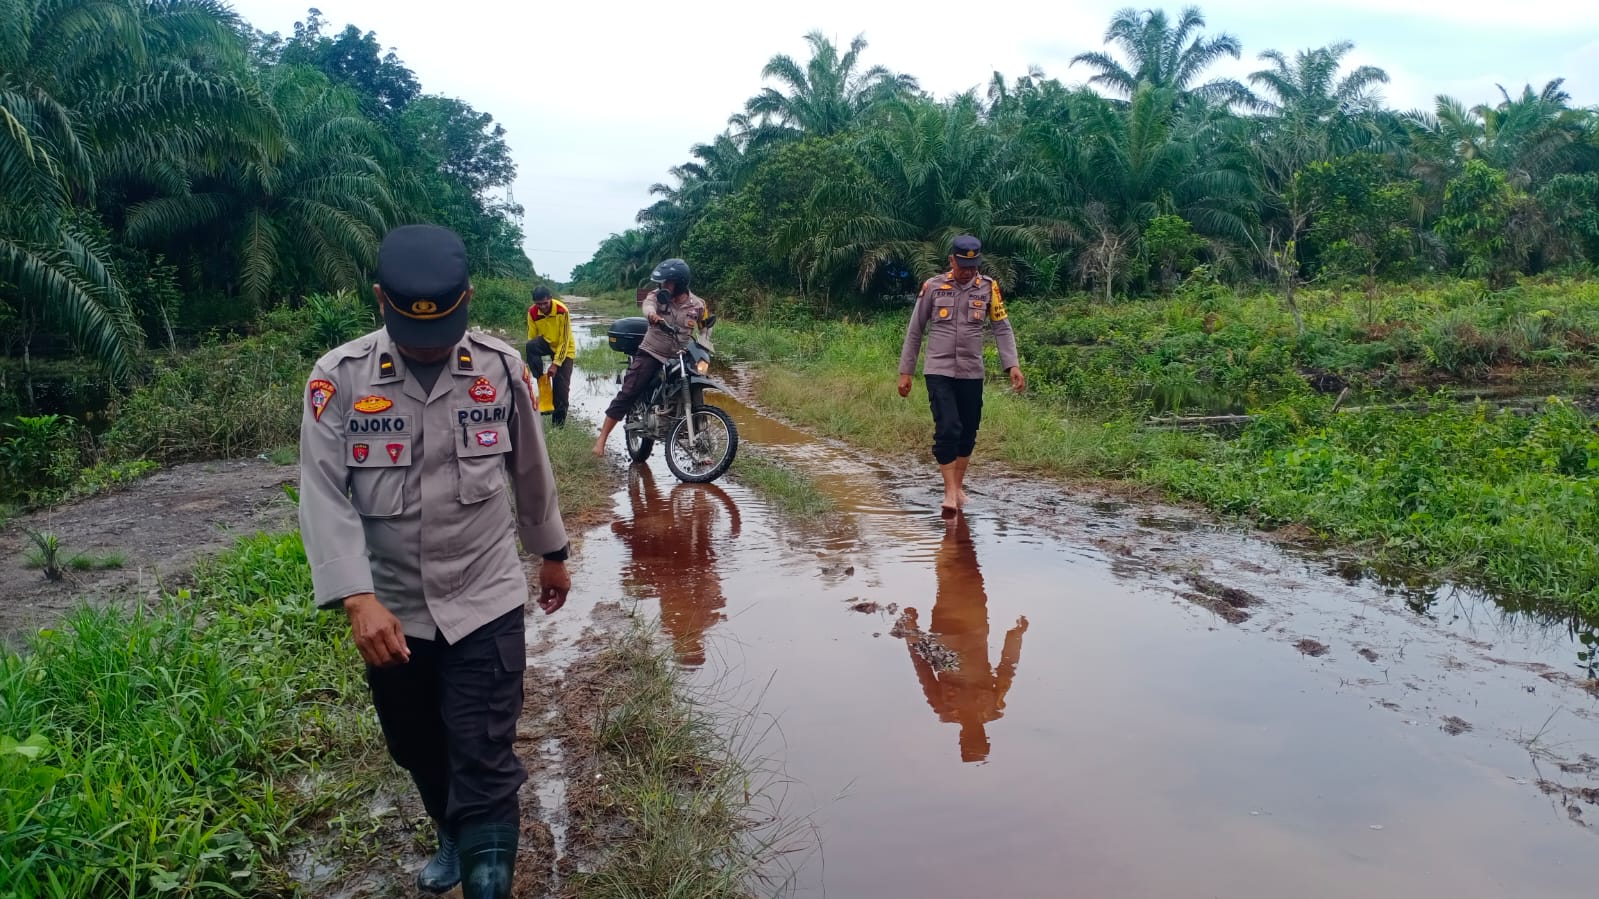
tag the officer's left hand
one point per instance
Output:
(553, 370)
(1017, 382)
(554, 584)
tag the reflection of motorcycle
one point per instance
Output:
(700, 440)
(672, 541)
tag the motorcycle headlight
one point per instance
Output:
(703, 366)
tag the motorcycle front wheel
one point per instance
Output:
(709, 454)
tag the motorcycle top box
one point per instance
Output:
(626, 334)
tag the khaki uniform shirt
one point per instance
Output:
(953, 317)
(685, 313)
(403, 493)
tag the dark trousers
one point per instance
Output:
(957, 411)
(561, 390)
(449, 717)
(640, 374)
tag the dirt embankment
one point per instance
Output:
(159, 528)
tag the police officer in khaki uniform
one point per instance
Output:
(406, 442)
(953, 310)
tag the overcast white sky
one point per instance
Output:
(601, 98)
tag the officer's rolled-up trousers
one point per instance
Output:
(957, 405)
(449, 717)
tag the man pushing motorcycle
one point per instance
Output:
(671, 304)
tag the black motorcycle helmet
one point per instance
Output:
(674, 270)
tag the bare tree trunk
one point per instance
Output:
(27, 367)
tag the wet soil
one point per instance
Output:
(162, 525)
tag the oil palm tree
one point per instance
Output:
(1529, 137)
(1306, 100)
(90, 90)
(310, 215)
(1164, 55)
(934, 172)
(825, 96)
(1115, 168)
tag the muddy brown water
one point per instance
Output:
(1080, 718)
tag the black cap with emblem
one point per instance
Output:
(422, 270)
(967, 250)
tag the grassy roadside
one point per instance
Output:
(663, 791)
(789, 488)
(188, 749)
(182, 750)
(1504, 500)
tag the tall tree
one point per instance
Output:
(1164, 55)
(306, 218)
(1311, 106)
(827, 95)
(89, 90)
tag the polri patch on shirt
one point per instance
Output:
(380, 424)
(482, 415)
(483, 390)
(371, 405)
(321, 394)
(360, 451)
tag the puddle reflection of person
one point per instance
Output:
(959, 684)
(671, 539)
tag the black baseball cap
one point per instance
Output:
(967, 250)
(422, 270)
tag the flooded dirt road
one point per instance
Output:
(1071, 697)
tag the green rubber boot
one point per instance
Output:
(488, 860)
(443, 870)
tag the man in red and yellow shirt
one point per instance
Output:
(550, 319)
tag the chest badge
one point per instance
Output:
(321, 394)
(483, 391)
(360, 451)
(394, 452)
(943, 312)
(371, 405)
(488, 438)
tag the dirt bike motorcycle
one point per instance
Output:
(699, 439)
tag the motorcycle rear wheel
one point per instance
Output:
(639, 446)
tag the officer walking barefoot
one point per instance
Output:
(953, 310)
(406, 441)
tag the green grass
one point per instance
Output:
(839, 379)
(674, 795)
(585, 483)
(98, 563)
(599, 358)
(284, 455)
(611, 304)
(180, 751)
(788, 488)
(1503, 499)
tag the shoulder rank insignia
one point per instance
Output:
(321, 394)
(483, 391)
(463, 359)
(386, 366)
